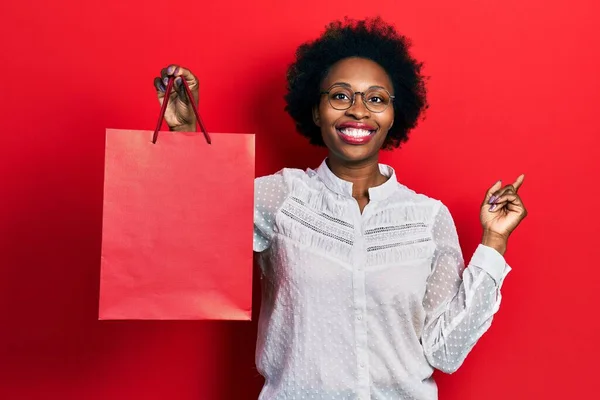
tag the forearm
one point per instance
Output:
(454, 326)
(453, 331)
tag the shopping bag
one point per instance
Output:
(177, 224)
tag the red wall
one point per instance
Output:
(514, 88)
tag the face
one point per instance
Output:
(355, 134)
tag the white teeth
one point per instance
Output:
(357, 133)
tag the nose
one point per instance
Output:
(358, 109)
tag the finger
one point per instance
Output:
(519, 182)
(171, 69)
(510, 209)
(501, 192)
(160, 89)
(180, 73)
(168, 71)
(496, 207)
(185, 74)
(180, 89)
(164, 74)
(509, 198)
(190, 79)
(497, 193)
(506, 189)
(158, 85)
(161, 86)
(490, 193)
(517, 208)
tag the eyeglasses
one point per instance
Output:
(341, 97)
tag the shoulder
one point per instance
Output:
(428, 207)
(285, 179)
(409, 195)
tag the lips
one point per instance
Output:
(355, 133)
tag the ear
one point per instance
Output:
(316, 116)
(392, 124)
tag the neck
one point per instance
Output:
(363, 174)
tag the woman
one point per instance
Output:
(365, 290)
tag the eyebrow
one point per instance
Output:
(349, 86)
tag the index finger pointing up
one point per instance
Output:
(519, 182)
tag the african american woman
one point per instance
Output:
(364, 287)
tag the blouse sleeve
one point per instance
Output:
(460, 302)
(269, 193)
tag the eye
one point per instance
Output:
(376, 99)
(340, 96)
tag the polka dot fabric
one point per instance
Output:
(363, 305)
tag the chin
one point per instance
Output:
(353, 153)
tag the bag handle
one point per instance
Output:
(163, 109)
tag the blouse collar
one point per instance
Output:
(340, 186)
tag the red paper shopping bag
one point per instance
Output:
(177, 225)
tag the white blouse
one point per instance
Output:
(363, 306)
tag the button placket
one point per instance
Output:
(360, 310)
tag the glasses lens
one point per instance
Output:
(340, 98)
(377, 100)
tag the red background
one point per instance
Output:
(514, 88)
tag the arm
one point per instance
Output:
(460, 303)
(269, 194)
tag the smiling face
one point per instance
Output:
(356, 134)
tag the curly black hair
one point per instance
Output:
(372, 39)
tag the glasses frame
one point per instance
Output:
(362, 96)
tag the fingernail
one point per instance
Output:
(166, 81)
(492, 199)
(177, 70)
(177, 82)
(162, 88)
(493, 207)
(170, 69)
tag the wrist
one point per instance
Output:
(495, 241)
(183, 128)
